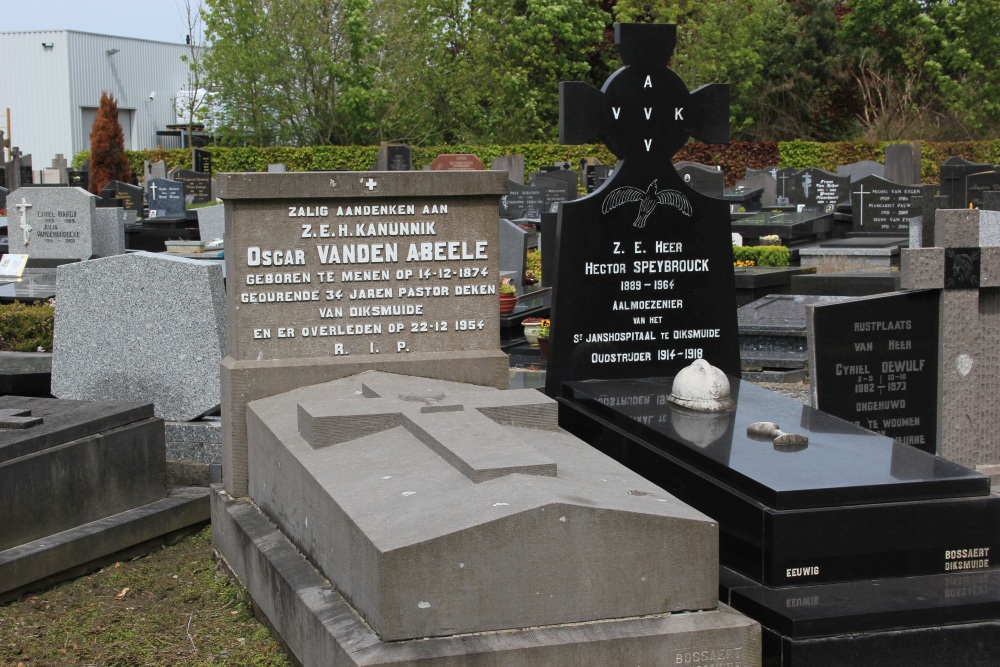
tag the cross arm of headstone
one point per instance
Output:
(579, 112)
(710, 122)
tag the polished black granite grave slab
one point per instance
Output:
(943, 619)
(790, 227)
(844, 507)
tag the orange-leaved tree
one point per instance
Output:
(108, 161)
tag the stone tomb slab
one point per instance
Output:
(848, 505)
(161, 341)
(51, 223)
(792, 228)
(116, 461)
(409, 493)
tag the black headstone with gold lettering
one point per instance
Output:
(644, 270)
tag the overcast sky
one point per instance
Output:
(160, 20)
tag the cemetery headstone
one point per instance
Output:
(3, 197)
(197, 186)
(456, 162)
(858, 170)
(991, 201)
(784, 185)
(202, 161)
(394, 157)
(559, 186)
(109, 231)
(512, 164)
(819, 190)
(642, 247)
(165, 197)
(954, 172)
(78, 178)
(212, 222)
(121, 350)
(766, 179)
(522, 201)
(595, 175)
(131, 196)
(51, 223)
(874, 363)
(394, 270)
(513, 251)
(709, 181)
(276, 169)
(156, 169)
(963, 268)
(902, 163)
(881, 207)
(977, 184)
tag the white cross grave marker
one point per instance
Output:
(25, 227)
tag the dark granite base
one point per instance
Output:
(26, 374)
(755, 283)
(945, 619)
(842, 508)
(846, 283)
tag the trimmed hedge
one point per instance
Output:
(764, 255)
(734, 158)
(25, 328)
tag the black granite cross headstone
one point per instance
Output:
(644, 270)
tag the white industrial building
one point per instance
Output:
(52, 82)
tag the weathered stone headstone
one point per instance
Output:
(197, 186)
(51, 222)
(109, 231)
(337, 273)
(153, 170)
(902, 163)
(624, 301)
(954, 172)
(212, 222)
(709, 181)
(818, 190)
(858, 170)
(964, 268)
(165, 198)
(874, 362)
(457, 162)
(977, 184)
(160, 340)
(276, 169)
(881, 207)
(513, 251)
(130, 195)
(512, 164)
(394, 157)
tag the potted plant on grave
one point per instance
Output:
(508, 296)
(543, 338)
(532, 326)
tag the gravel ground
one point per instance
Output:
(800, 391)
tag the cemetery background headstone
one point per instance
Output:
(633, 259)
(522, 201)
(512, 164)
(766, 179)
(131, 196)
(977, 184)
(384, 306)
(165, 197)
(784, 187)
(991, 201)
(595, 175)
(457, 162)
(709, 181)
(153, 170)
(954, 172)
(51, 223)
(902, 163)
(212, 222)
(3, 197)
(394, 157)
(818, 190)
(197, 186)
(276, 169)
(559, 185)
(858, 170)
(879, 206)
(201, 160)
(109, 231)
(160, 340)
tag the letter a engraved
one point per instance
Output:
(649, 111)
(679, 114)
(649, 82)
(616, 111)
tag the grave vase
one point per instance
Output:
(507, 303)
(531, 332)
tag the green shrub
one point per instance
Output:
(771, 255)
(25, 328)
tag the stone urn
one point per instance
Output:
(531, 328)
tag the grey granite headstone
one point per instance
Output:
(818, 190)
(513, 247)
(157, 169)
(109, 231)
(902, 163)
(51, 222)
(160, 339)
(860, 169)
(166, 197)
(991, 201)
(212, 222)
(276, 169)
(512, 164)
(766, 178)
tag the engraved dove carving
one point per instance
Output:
(648, 201)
